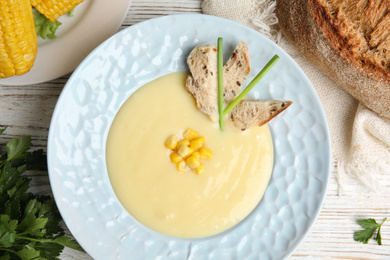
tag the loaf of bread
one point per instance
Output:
(249, 113)
(349, 40)
(203, 81)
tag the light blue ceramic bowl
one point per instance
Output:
(146, 51)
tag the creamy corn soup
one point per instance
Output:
(174, 203)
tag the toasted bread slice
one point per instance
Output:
(249, 113)
(235, 71)
(203, 84)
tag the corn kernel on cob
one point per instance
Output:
(18, 39)
(53, 9)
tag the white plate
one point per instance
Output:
(93, 22)
(139, 54)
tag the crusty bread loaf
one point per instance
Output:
(203, 81)
(348, 40)
(249, 113)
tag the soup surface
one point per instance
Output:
(178, 204)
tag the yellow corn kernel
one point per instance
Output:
(197, 143)
(181, 166)
(190, 134)
(175, 157)
(18, 38)
(193, 162)
(185, 151)
(182, 142)
(53, 9)
(171, 142)
(196, 154)
(200, 169)
(205, 153)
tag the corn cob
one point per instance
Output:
(18, 39)
(53, 9)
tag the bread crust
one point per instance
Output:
(251, 113)
(203, 81)
(235, 71)
(324, 40)
(202, 84)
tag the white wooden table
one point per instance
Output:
(27, 110)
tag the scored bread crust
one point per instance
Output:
(203, 81)
(249, 113)
(202, 84)
(351, 48)
(235, 71)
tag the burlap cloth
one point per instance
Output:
(360, 139)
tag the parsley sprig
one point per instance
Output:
(370, 226)
(29, 224)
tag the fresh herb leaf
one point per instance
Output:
(49, 250)
(370, 226)
(67, 242)
(44, 27)
(36, 161)
(378, 237)
(29, 224)
(17, 147)
(10, 181)
(71, 13)
(28, 252)
(7, 231)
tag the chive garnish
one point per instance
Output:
(220, 80)
(253, 83)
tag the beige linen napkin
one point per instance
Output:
(360, 139)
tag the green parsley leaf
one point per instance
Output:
(66, 241)
(370, 226)
(7, 231)
(378, 237)
(5, 256)
(28, 252)
(9, 181)
(49, 250)
(17, 147)
(29, 224)
(368, 223)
